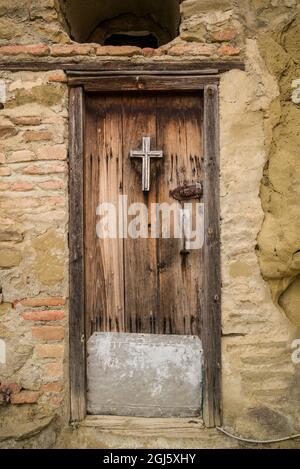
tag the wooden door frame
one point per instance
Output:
(211, 309)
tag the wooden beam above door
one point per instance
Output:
(117, 66)
(144, 82)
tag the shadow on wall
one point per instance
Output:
(147, 23)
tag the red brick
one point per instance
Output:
(10, 388)
(26, 120)
(192, 49)
(50, 315)
(48, 333)
(226, 34)
(127, 51)
(228, 50)
(37, 136)
(49, 169)
(64, 50)
(148, 52)
(55, 201)
(21, 186)
(25, 397)
(53, 370)
(25, 202)
(32, 202)
(49, 350)
(58, 77)
(7, 131)
(52, 152)
(32, 49)
(38, 302)
(52, 185)
(20, 156)
(5, 171)
(52, 387)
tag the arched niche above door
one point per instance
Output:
(150, 23)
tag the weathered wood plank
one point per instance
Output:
(103, 185)
(77, 342)
(185, 428)
(179, 130)
(140, 256)
(141, 71)
(122, 65)
(211, 311)
(94, 277)
(110, 188)
(145, 82)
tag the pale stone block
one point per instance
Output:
(2, 92)
(2, 352)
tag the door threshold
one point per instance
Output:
(171, 427)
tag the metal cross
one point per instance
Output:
(146, 154)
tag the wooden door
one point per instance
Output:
(144, 285)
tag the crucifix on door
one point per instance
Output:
(146, 154)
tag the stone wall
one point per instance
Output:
(257, 363)
(33, 246)
(279, 241)
(259, 206)
(205, 31)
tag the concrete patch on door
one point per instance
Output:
(144, 375)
